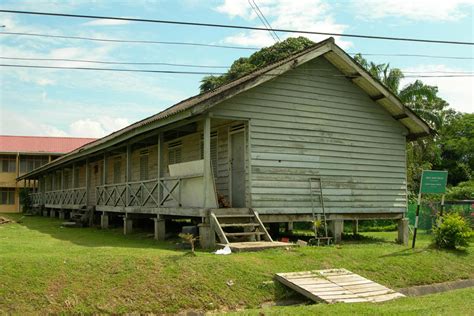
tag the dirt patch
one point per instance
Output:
(4, 220)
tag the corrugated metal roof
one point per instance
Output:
(219, 94)
(41, 144)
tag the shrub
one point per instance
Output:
(451, 232)
(25, 200)
(463, 191)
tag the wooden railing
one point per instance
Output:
(164, 192)
(36, 198)
(53, 197)
(75, 196)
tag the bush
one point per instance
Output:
(25, 200)
(463, 191)
(451, 232)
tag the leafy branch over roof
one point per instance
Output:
(262, 58)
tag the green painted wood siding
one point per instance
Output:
(312, 121)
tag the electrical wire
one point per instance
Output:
(128, 41)
(262, 18)
(202, 72)
(241, 27)
(113, 62)
(218, 46)
(196, 66)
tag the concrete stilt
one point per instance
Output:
(160, 228)
(355, 226)
(62, 214)
(336, 227)
(207, 236)
(52, 213)
(127, 225)
(290, 226)
(403, 231)
(104, 220)
(45, 213)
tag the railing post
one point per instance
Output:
(87, 181)
(159, 165)
(207, 156)
(104, 171)
(61, 195)
(73, 184)
(127, 174)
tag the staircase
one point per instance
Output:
(81, 217)
(241, 229)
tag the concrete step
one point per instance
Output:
(240, 225)
(244, 234)
(256, 245)
(234, 215)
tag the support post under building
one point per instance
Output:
(127, 225)
(336, 227)
(104, 220)
(403, 231)
(160, 228)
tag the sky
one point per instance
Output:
(95, 103)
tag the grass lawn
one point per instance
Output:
(457, 302)
(48, 269)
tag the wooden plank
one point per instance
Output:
(336, 285)
(299, 289)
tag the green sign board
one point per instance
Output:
(433, 181)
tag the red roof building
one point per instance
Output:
(22, 154)
(40, 144)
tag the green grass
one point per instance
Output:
(457, 302)
(48, 269)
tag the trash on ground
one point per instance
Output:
(224, 251)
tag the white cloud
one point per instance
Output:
(284, 14)
(457, 91)
(105, 22)
(12, 123)
(419, 10)
(97, 127)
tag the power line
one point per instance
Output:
(415, 55)
(195, 66)
(262, 18)
(216, 45)
(199, 72)
(115, 69)
(113, 62)
(238, 27)
(127, 41)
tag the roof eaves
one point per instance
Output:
(386, 92)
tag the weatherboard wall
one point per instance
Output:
(313, 121)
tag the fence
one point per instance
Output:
(429, 210)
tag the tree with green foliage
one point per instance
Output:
(457, 148)
(263, 57)
(390, 77)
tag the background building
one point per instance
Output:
(22, 154)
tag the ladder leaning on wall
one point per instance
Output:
(319, 219)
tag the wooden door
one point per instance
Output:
(237, 166)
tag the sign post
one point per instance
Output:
(432, 181)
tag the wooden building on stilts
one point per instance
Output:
(243, 155)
